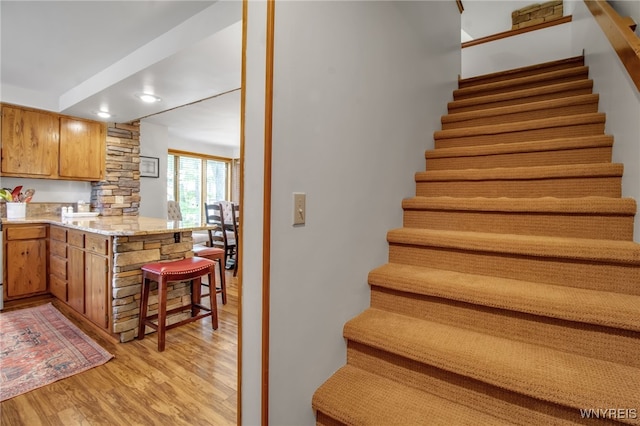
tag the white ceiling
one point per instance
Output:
(77, 57)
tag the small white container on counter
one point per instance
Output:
(16, 210)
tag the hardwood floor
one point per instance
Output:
(193, 382)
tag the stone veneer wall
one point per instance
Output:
(536, 14)
(119, 193)
(129, 254)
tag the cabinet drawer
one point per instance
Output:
(57, 248)
(58, 267)
(76, 238)
(58, 287)
(26, 232)
(96, 244)
(58, 234)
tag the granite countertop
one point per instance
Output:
(114, 225)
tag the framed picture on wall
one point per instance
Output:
(149, 167)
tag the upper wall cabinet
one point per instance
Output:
(82, 146)
(29, 143)
(41, 144)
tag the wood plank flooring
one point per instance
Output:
(193, 382)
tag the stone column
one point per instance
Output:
(119, 193)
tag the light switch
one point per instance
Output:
(299, 211)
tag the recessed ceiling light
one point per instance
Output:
(148, 98)
(103, 114)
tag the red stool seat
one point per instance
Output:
(216, 254)
(191, 269)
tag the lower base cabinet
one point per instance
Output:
(96, 280)
(58, 262)
(25, 261)
(87, 276)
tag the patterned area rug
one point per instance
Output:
(39, 346)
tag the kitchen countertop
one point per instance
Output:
(114, 225)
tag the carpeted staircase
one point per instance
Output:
(512, 293)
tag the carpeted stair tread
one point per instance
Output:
(573, 304)
(547, 374)
(569, 74)
(354, 396)
(572, 150)
(548, 107)
(585, 205)
(596, 251)
(564, 63)
(524, 173)
(557, 144)
(588, 217)
(560, 180)
(522, 96)
(521, 126)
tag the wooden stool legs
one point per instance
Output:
(217, 255)
(191, 269)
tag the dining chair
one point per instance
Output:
(222, 235)
(175, 213)
(173, 210)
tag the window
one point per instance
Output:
(192, 178)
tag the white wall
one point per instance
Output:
(619, 98)
(52, 191)
(359, 91)
(544, 45)
(154, 140)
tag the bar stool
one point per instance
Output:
(192, 269)
(215, 254)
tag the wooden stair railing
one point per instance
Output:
(620, 34)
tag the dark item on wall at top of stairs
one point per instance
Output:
(512, 294)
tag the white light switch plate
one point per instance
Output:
(299, 209)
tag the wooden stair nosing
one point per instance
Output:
(521, 95)
(559, 144)
(569, 74)
(576, 249)
(355, 396)
(551, 375)
(521, 126)
(524, 173)
(515, 72)
(595, 307)
(525, 107)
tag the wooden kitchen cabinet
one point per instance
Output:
(96, 277)
(88, 280)
(29, 143)
(58, 271)
(75, 260)
(25, 261)
(42, 144)
(82, 149)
